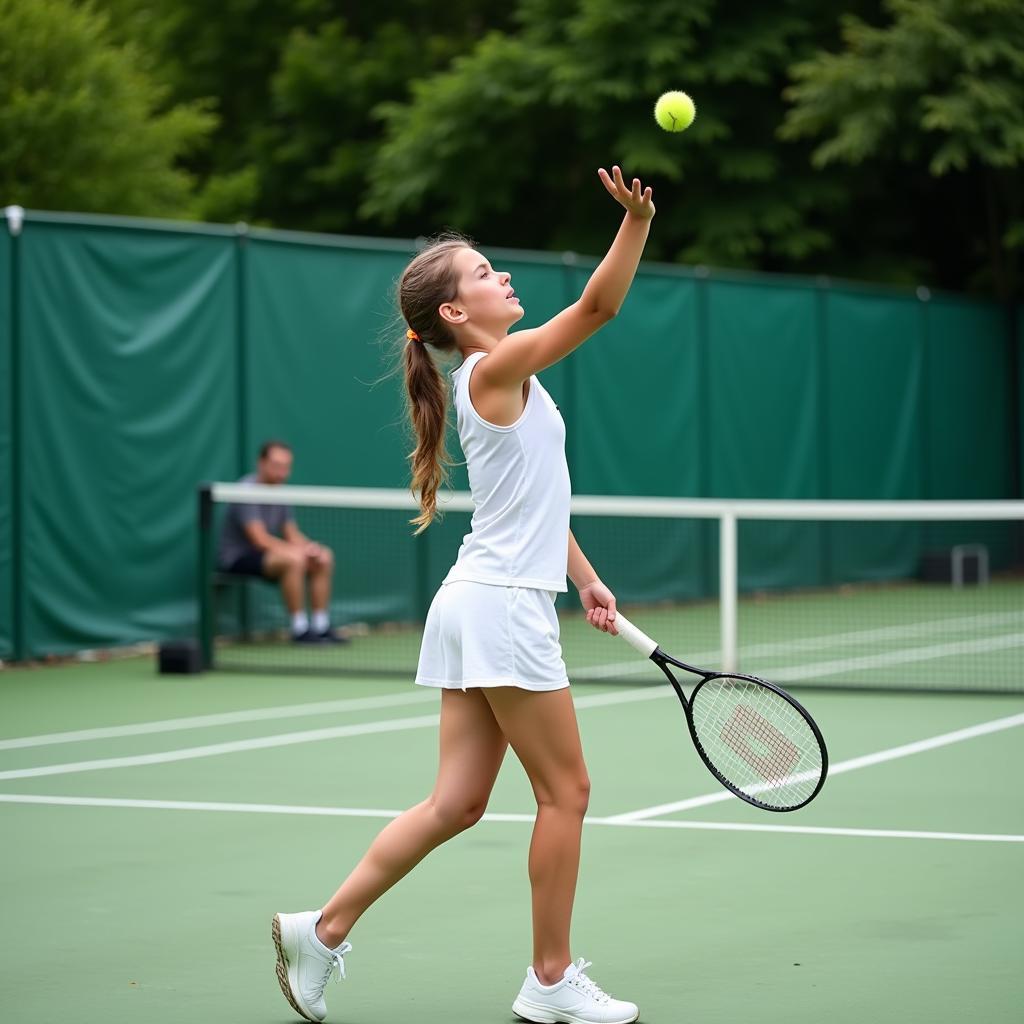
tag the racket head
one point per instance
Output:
(758, 741)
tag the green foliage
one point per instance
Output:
(227, 197)
(506, 142)
(323, 129)
(82, 124)
(465, 122)
(294, 84)
(943, 83)
(940, 86)
(882, 142)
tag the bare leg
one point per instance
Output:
(472, 749)
(289, 569)
(542, 730)
(321, 572)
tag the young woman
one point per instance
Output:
(490, 642)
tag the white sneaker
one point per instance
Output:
(573, 1000)
(304, 963)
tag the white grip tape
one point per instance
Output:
(637, 637)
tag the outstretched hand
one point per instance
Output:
(637, 200)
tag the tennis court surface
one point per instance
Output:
(152, 826)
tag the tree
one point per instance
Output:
(322, 132)
(883, 144)
(937, 95)
(222, 56)
(295, 84)
(506, 142)
(83, 126)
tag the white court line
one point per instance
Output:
(354, 812)
(194, 805)
(813, 830)
(901, 657)
(942, 627)
(291, 738)
(212, 750)
(633, 666)
(265, 714)
(314, 735)
(892, 754)
(327, 707)
(856, 638)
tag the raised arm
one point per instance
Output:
(524, 353)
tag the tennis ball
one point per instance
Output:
(674, 111)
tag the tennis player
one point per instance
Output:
(490, 642)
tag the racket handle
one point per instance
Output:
(637, 637)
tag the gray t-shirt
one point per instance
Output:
(233, 540)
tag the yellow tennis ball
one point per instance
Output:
(674, 111)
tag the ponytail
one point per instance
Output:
(428, 413)
(427, 283)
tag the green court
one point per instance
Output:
(152, 826)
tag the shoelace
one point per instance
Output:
(335, 962)
(586, 984)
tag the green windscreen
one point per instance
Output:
(128, 397)
(152, 357)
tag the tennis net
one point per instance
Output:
(905, 595)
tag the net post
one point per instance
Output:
(727, 587)
(205, 623)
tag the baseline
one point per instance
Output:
(614, 822)
(291, 738)
(324, 707)
(602, 670)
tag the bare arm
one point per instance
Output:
(296, 538)
(581, 572)
(293, 534)
(524, 353)
(261, 538)
(598, 600)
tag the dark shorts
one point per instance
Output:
(249, 564)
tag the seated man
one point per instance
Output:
(264, 540)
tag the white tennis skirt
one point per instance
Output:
(479, 634)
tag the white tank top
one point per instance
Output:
(519, 482)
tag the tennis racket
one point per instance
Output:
(758, 741)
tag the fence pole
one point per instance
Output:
(15, 217)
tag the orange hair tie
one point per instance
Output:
(412, 335)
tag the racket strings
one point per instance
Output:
(757, 741)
